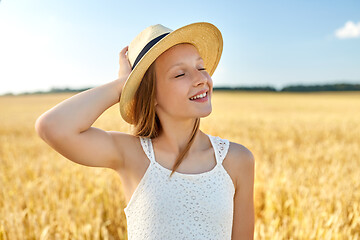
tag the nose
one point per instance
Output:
(200, 77)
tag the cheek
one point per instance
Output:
(210, 80)
(171, 96)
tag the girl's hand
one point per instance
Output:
(124, 70)
(125, 66)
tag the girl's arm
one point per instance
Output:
(67, 126)
(244, 216)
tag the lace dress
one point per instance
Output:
(185, 206)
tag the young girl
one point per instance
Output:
(179, 182)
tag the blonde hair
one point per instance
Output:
(146, 122)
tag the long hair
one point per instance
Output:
(146, 122)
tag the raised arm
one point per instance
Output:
(67, 126)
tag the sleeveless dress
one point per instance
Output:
(185, 206)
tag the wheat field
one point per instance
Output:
(307, 159)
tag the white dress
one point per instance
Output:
(185, 206)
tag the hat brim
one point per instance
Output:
(204, 36)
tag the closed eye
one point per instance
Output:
(184, 73)
(180, 75)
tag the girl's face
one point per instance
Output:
(180, 74)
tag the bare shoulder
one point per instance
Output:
(242, 162)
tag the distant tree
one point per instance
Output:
(326, 87)
(291, 88)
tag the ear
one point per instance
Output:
(155, 102)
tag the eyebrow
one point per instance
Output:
(181, 63)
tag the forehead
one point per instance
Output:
(176, 53)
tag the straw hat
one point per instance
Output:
(156, 39)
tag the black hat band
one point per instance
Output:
(147, 47)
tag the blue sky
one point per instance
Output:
(48, 43)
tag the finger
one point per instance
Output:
(122, 52)
(122, 55)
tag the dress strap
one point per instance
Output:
(145, 143)
(222, 147)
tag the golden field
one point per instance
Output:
(306, 148)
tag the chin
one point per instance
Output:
(204, 114)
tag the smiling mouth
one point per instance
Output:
(194, 98)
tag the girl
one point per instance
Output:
(179, 182)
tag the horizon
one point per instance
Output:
(336, 87)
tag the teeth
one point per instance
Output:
(199, 96)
